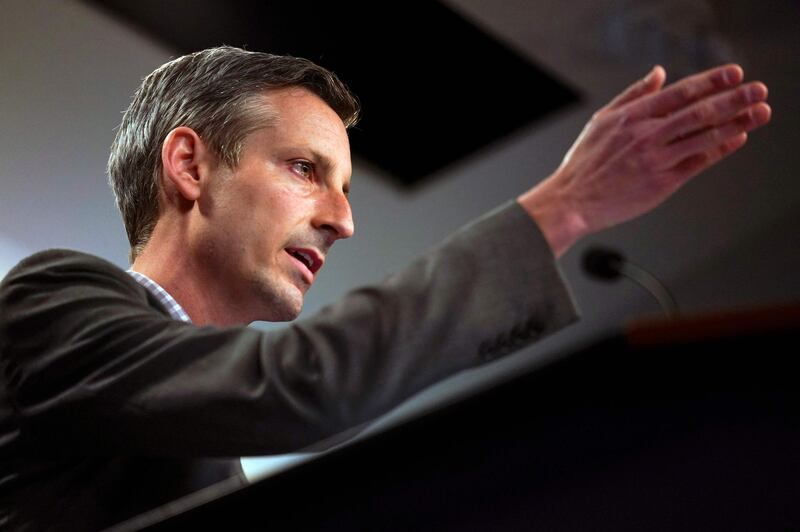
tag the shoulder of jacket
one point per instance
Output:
(70, 264)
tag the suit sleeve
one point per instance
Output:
(92, 368)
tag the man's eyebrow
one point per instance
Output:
(321, 159)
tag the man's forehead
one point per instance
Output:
(303, 119)
(301, 101)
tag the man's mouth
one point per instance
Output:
(309, 257)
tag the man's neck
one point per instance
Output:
(195, 289)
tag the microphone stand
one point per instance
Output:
(608, 265)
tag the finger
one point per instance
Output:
(712, 111)
(652, 82)
(711, 138)
(687, 91)
(695, 164)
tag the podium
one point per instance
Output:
(691, 424)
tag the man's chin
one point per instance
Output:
(278, 310)
(279, 303)
(283, 316)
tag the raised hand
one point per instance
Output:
(640, 148)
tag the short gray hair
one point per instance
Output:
(217, 93)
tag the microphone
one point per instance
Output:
(609, 265)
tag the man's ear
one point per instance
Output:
(185, 160)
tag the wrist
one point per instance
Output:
(561, 224)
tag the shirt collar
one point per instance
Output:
(173, 307)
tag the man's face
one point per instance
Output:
(270, 223)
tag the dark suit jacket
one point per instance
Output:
(109, 407)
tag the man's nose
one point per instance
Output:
(335, 216)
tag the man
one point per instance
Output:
(231, 170)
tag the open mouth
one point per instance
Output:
(308, 257)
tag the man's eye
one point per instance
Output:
(303, 168)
